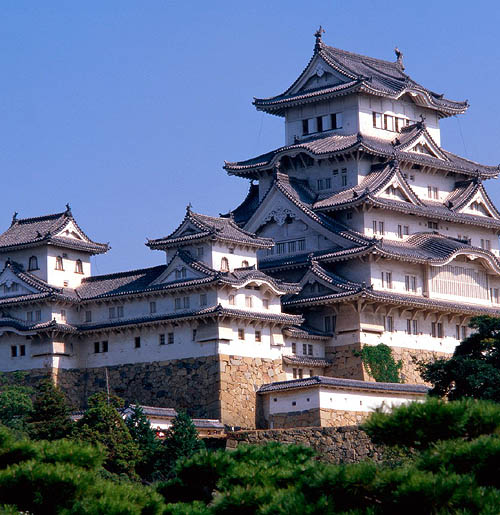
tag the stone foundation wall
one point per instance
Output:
(319, 417)
(240, 378)
(333, 444)
(220, 387)
(347, 366)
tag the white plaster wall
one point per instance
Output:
(22, 257)
(257, 297)
(404, 108)
(58, 277)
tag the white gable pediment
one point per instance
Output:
(12, 286)
(71, 231)
(480, 206)
(178, 270)
(319, 74)
(425, 145)
(395, 191)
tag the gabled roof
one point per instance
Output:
(344, 384)
(49, 230)
(336, 144)
(197, 227)
(357, 73)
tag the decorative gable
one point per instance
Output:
(12, 286)
(425, 145)
(71, 231)
(179, 270)
(480, 205)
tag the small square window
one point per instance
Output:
(137, 342)
(22, 350)
(170, 338)
(13, 351)
(88, 316)
(241, 334)
(152, 307)
(105, 346)
(96, 348)
(161, 339)
(248, 302)
(258, 336)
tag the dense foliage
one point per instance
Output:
(380, 363)
(474, 369)
(49, 419)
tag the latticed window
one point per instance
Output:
(33, 263)
(224, 264)
(78, 266)
(460, 281)
(59, 263)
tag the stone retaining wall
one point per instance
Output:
(347, 444)
(317, 417)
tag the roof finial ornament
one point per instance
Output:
(189, 208)
(399, 58)
(422, 120)
(318, 35)
(14, 217)
(68, 209)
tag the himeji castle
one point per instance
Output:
(360, 230)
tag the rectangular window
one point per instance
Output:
(203, 299)
(406, 230)
(97, 348)
(440, 330)
(319, 124)
(200, 251)
(186, 302)
(408, 326)
(294, 373)
(411, 283)
(22, 350)
(88, 316)
(178, 303)
(320, 184)
(414, 324)
(137, 342)
(381, 230)
(152, 307)
(112, 312)
(388, 122)
(300, 373)
(457, 332)
(194, 335)
(305, 127)
(304, 349)
(433, 329)
(13, 351)
(258, 336)
(336, 171)
(336, 120)
(294, 348)
(170, 339)
(429, 191)
(280, 248)
(400, 123)
(161, 339)
(309, 350)
(232, 300)
(377, 120)
(432, 225)
(241, 334)
(248, 302)
(119, 311)
(38, 315)
(328, 183)
(387, 280)
(328, 324)
(105, 346)
(389, 324)
(301, 244)
(265, 303)
(29, 316)
(464, 332)
(344, 180)
(63, 315)
(400, 231)
(292, 245)
(435, 192)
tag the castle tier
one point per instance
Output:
(360, 230)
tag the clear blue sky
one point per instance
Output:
(127, 109)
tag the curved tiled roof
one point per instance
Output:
(333, 144)
(343, 383)
(43, 230)
(245, 210)
(202, 227)
(306, 333)
(362, 74)
(306, 361)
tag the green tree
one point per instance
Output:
(64, 476)
(181, 441)
(145, 437)
(49, 419)
(15, 406)
(380, 363)
(474, 369)
(102, 423)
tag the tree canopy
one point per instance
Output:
(474, 369)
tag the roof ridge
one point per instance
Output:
(120, 274)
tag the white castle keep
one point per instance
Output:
(360, 230)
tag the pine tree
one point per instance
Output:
(181, 441)
(103, 423)
(145, 437)
(49, 419)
